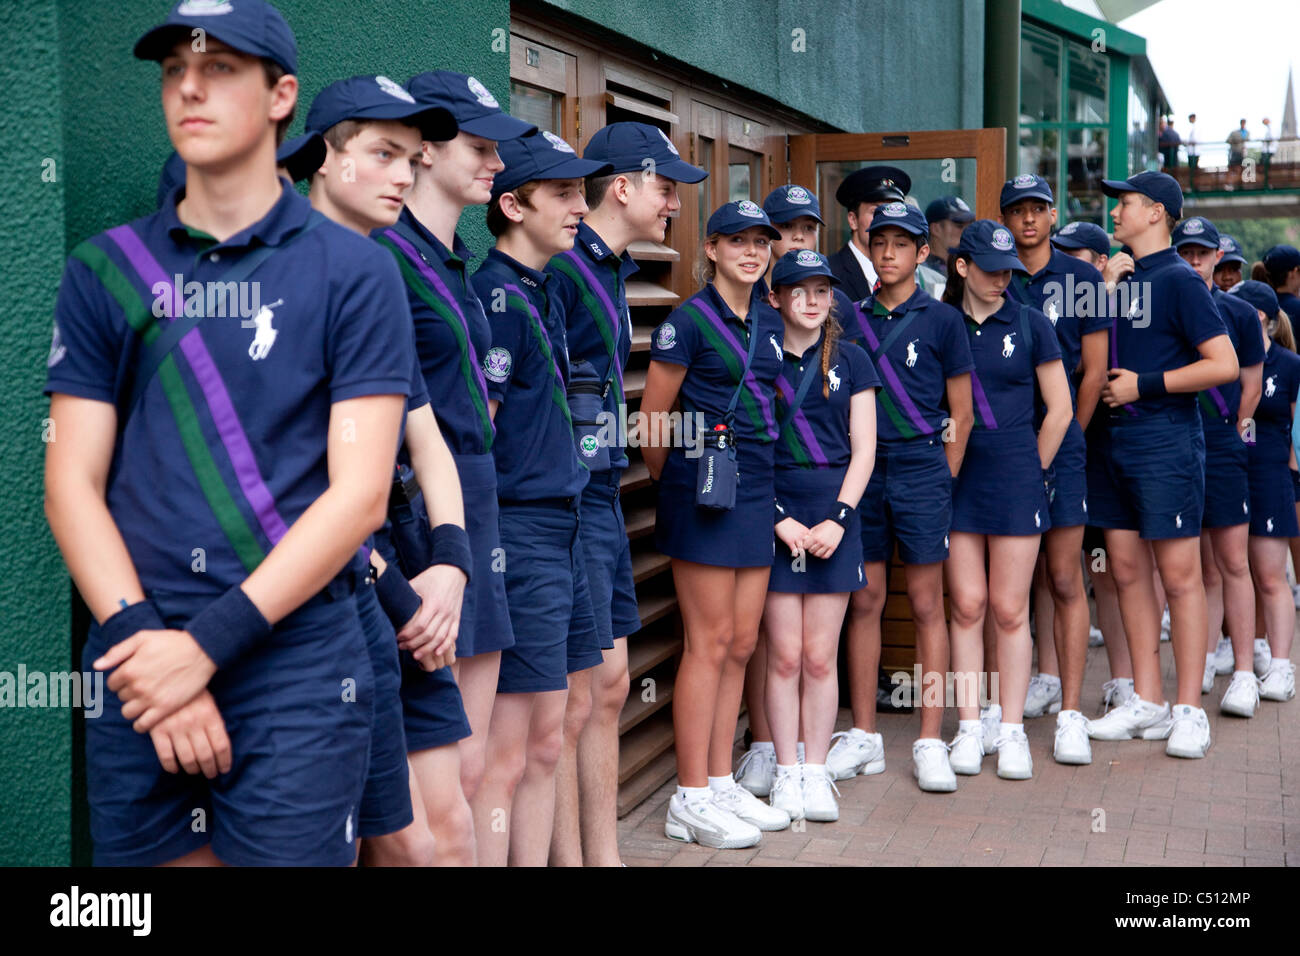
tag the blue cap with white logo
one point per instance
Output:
(1083, 235)
(1025, 186)
(1158, 187)
(733, 217)
(249, 26)
(377, 98)
(903, 215)
(990, 246)
(1260, 295)
(1196, 231)
(635, 147)
(787, 203)
(545, 156)
(1231, 250)
(475, 109)
(300, 156)
(799, 264)
(949, 209)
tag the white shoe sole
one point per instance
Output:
(823, 816)
(943, 787)
(1016, 774)
(870, 769)
(1235, 711)
(1075, 760)
(1190, 753)
(769, 827)
(1145, 733)
(684, 833)
(1277, 697)
(967, 770)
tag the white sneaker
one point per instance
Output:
(966, 755)
(787, 793)
(1295, 593)
(1043, 696)
(740, 802)
(1242, 696)
(756, 771)
(1095, 638)
(930, 766)
(991, 719)
(1263, 656)
(1279, 682)
(1134, 717)
(704, 822)
(1116, 692)
(1190, 735)
(1072, 745)
(818, 799)
(1014, 761)
(1207, 678)
(855, 752)
(1165, 625)
(1224, 660)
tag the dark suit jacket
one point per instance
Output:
(844, 266)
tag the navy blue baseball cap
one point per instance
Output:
(627, 146)
(873, 184)
(1158, 187)
(903, 215)
(990, 246)
(1196, 231)
(799, 264)
(377, 98)
(787, 203)
(949, 209)
(1231, 250)
(1025, 186)
(473, 106)
(733, 217)
(300, 156)
(1083, 235)
(249, 26)
(1260, 295)
(541, 157)
(1281, 258)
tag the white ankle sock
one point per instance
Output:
(693, 793)
(722, 783)
(792, 768)
(1007, 729)
(972, 725)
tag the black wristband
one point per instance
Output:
(141, 616)
(396, 597)
(451, 546)
(1151, 385)
(841, 513)
(228, 627)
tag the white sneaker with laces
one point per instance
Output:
(1223, 656)
(1190, 735)
(991, 720)
(702, 821)
(855, 752)
(818, 799)
(1115, 692)
(930, 766)
(1241, 699)
(1095, 637)
(1134, 717)
(756, 771)
(787, 793)
(1072, 745)
(1014, 761)
(1279, 681)
(1263, 656)
(966, 755)
(1207, 678)
(743, 804)
(1165, 625)
(1043, 696)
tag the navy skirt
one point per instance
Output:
(808, 494)
(1000, 488)
(739, 538)
(484, 616)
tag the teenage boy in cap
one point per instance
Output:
(296, 159)
(1168, 344)
(947, 216)
(1226, 418)
(1058, 285)
(274, 466)
(860, 193)
(374, 130)
(1228, 271)
(587, 285)
(1086, 241)
(920, 349)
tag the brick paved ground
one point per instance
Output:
(1239, 806)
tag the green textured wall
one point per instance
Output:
(869, 64)
(74, 93)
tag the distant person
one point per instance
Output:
(1237, 146)
(1267, 151)
(947, 216)
(1168, 143)
(1190, 144)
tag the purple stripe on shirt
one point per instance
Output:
(982, 400)
(214, 391)
(615, 320)
(1218, 400)
(891, 377)
(802, 424)
(750, 381)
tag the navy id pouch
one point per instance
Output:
(718, 473)
(586, 402)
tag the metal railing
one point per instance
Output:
(1251, 165)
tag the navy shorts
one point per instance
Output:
(1067, 480)
(386, 803)
(1153, 479)
(808, 494)
(739, 538)
(432, 710)
(1000, 489)
(908, 501)
(1227, 488)
(550, 603)
(609, 558)
(1272, 501)
(484, 620)
(297, 709)
(1295, 480)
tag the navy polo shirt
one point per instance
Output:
(451, 331)
(226, 450)
(706, 337)
(817, 435)
(1291, 306)
(588, 287)
(527, 371)
(1071, 294)
(1006, 366)
(1169, 313)
(1273, 415)
(1242, 324)
(914, 364)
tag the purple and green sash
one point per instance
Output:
(603, 311)
(758, 409)
(516, 298)
(898, 405)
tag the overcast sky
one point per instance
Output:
(1222, 60)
